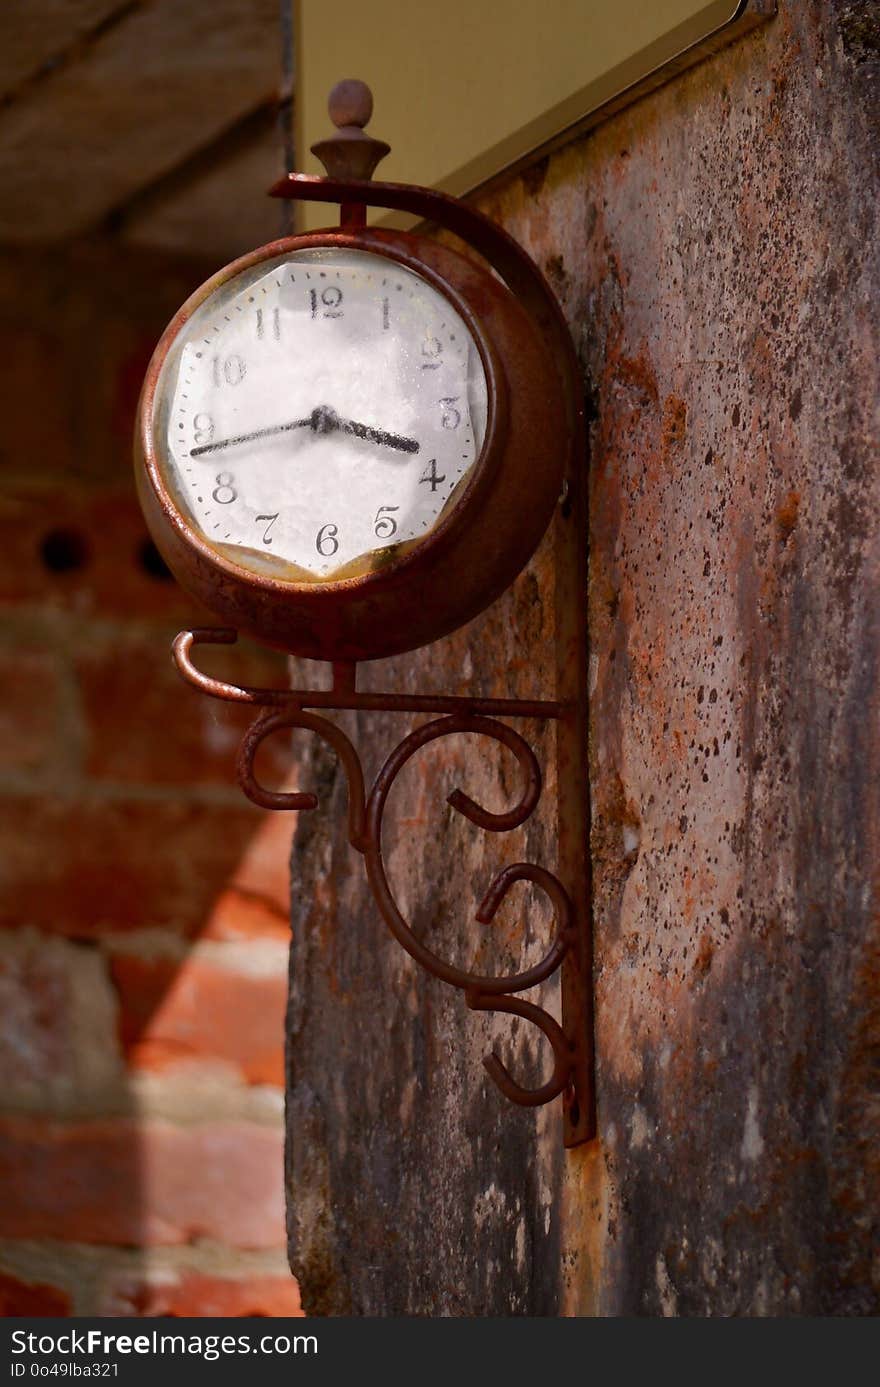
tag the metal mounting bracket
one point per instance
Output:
(571, 1042)
(568, 890)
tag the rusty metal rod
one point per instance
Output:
(343, 697)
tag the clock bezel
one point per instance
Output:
(468, 491)
(455, 569)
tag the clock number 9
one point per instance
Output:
(224, 484)
(331, 299)
(326, 542)
(203, 428)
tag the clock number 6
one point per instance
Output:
(385, 525)
(326, 542)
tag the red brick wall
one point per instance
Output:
(143, 910)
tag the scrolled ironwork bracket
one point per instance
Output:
(569, 951)
(571, 1039)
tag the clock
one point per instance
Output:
(345, 442)
(348, 444)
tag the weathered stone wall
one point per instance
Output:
(715, 251)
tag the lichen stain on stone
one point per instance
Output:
(715, 278)
(859, 25)
(752, 1145)
(729, 557)
(787, 515)
(674, 423)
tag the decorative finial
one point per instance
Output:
(350, 103)
(350, 152)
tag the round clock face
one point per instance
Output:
(319, 410)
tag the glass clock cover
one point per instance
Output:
(320, 410)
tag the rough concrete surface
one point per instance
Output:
(419, 1189)
(714, 248)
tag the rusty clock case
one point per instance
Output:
(487, 532)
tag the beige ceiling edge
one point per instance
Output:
(600, 99)
(469, 167)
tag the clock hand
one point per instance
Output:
(387, 440)
(323, 419)
(246, 437)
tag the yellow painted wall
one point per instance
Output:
(464, 88)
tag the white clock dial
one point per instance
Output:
(321, 408)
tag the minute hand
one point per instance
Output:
(321, 420)
(387, 440)
(246, 437)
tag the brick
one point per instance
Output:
(130, 1183)
(172, 1013)
(35, 1014)
(264, 868)
(110, 579)
(93, 867)
(41, 1301)
(245, 914)
(149, 726)
(37, 398)
(58, 1044)
(29, 710)
(203, 1296)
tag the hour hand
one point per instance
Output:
(380, 436)
(326, 420)
(322, 419)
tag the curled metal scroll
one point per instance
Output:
(267, 724)
(482, 993)
(284, 711)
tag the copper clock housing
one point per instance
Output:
(481, 542)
